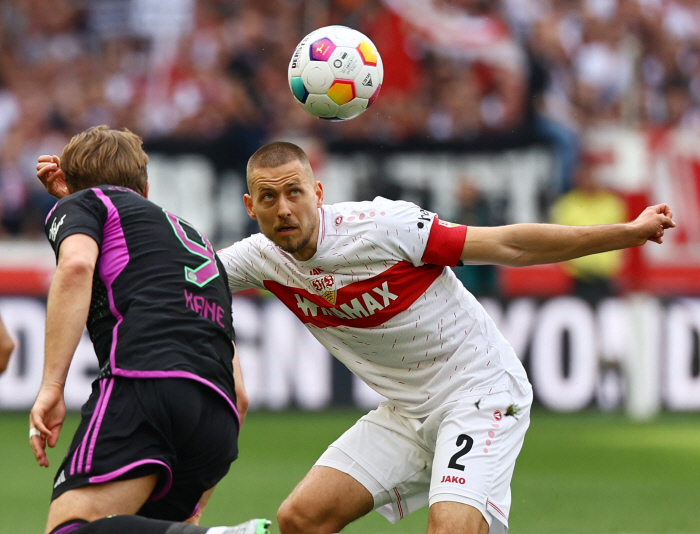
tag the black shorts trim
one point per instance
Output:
(114, 475)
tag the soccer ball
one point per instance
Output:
(335, 73)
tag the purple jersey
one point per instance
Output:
(160, 305)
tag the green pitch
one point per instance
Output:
(581, 473)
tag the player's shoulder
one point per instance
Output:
(253, 244)
(100, 193)
(74, 198)
(374, 214)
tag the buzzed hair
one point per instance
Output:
(275, 154)
(100, 156)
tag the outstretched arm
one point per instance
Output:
(519, 245)
(66, 315)
(6, 347)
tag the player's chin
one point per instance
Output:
(287, 243)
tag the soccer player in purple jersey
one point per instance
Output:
(160, 428)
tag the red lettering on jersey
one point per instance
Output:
(363, 304)
(445, 243)
(453, 479)
(316, 271)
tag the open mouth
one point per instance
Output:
(285, 230)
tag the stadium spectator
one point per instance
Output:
(371, 283)
(161, 326)
(474, 209)
(589, 203)
(211, 75)
(7, 345)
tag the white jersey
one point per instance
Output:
(376, 294)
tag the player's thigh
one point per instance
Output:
(100, 500)
(456, 518)
(383, 452)
(326, 497)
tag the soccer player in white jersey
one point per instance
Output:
(371, 283)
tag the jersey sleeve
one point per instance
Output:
(445, 243)
(80, 213)
(418, 235)
(240, 261)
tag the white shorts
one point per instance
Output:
(464, 452)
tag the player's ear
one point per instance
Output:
(319, 194)
(249, 206)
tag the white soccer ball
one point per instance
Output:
(335, 73)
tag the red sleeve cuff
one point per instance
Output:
(445, 243)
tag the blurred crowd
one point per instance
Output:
(215, 71)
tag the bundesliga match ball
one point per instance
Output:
(335, 73)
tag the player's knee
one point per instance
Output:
(288, 519)
(293, 518)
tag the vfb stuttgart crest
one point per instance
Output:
(325, 286)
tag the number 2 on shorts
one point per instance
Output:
(462, 438)
(208, 270)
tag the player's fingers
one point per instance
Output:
(660, 208)
(37, 438)
(666, 222)
(38, 443)
(665, 209)
(36, 420)
(53, 437)
(46, 158)
(46, 172)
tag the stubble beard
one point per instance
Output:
(292, 247)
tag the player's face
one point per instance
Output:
(285, 201)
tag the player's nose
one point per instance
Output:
(283, 208)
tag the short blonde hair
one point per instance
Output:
(274, 155)
(100, 156)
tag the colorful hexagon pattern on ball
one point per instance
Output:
(368, 53)
(321, 50)
(335, 73)
(341, 92)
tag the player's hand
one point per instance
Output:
(47, 417)
(652, 222)
(48, 170)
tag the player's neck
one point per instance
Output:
(308, 251)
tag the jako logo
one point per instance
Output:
(453, 479)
